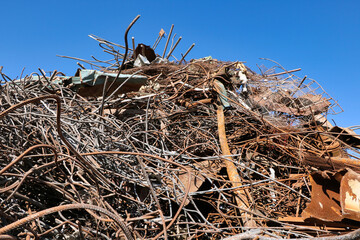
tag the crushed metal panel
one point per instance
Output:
(145, 51)
(92, 82)
(334, 196)
(88, 82)
(350, 195)
(325, 196)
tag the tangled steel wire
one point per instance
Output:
(205, 150)
(152, 165)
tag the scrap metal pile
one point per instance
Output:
(172, 150)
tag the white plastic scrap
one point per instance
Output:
(272, 175)
(141, 61)
(243, 81)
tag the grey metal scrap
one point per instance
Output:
(87, 82)
(91, 82)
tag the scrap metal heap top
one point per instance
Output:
(147, 148)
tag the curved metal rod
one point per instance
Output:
(73, 150)
(105, 93)
(48, 211)
(186, 190)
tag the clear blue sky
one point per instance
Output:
(321, 37)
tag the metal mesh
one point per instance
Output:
(287, 97)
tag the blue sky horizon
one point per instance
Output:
(321, 37)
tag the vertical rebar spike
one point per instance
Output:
(133, 43)
(171, 50)
(156, 42)
(167, 42)
(191, 47)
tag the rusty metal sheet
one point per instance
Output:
(203, 169)
(325, 197)
(197, 179)
(334, 196)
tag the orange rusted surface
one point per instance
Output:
(242, 199)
